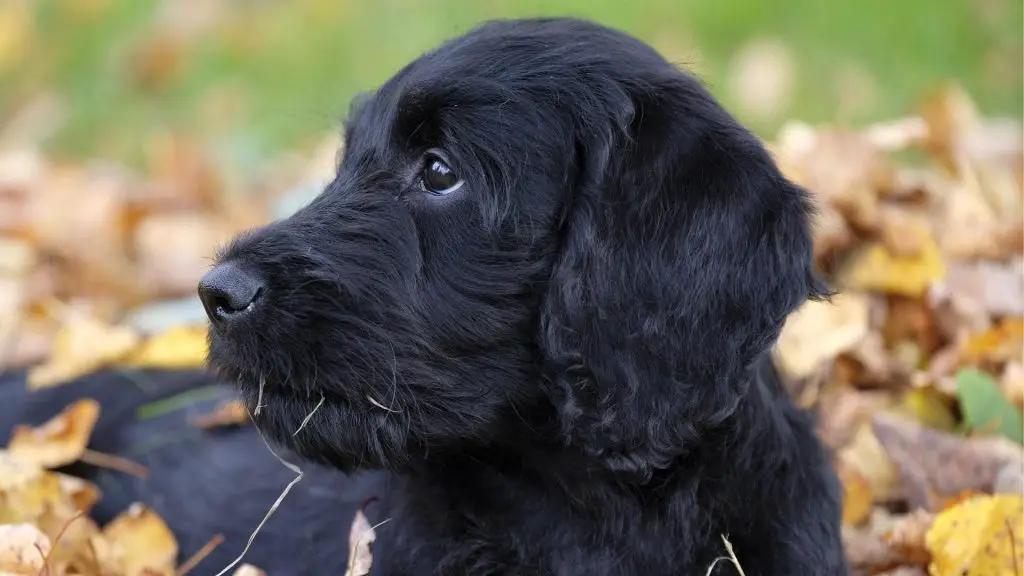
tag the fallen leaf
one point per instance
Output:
(876, 268)
(23, 549)
(83, 494)
(1004, 342)
(868, 456)
(907, 537)
(857, 499)
(143, 542)
(842, 168)
(26, 490)
(59, 441)
(981, 536)
(179, 347)
(985, 408)
(231, 413)
(934, 465)
(929, 406)
(819, 331)
(83, 345)
(995, 287)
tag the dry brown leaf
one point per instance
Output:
(982, 536)
(904, 232)
(934, 465)
(866, 551)
(23, 549)
(142, 542)
(819, 331)
(231, 413)
(907, 537)
(59, 441)
(844, 410)
(995, 287)
(176, 348)
(83, 345)
(842, 168)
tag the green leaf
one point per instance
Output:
(985, 408)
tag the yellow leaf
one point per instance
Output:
(857, 498)
(867, 455)
(982, 536)
(83, 345)
(26, 490)
(22, 550)
(877, 268)
(177, 348)
(61, 440)
(83, 494)
(819, 331)
(1001, 343)
(143, 542)
(930, 407)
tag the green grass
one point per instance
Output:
(275, 74)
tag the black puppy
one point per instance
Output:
(541, 291)
(541, 295)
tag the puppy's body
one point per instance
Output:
(541, 293)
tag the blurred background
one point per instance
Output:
(254, 77)
(136, 136)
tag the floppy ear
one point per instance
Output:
(683, 251)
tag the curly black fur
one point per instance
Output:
(563, 362)
(564, 365)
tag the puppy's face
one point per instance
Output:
(405, 295)
(515, 231)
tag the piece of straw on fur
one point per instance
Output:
(298, 476)
(730, 558)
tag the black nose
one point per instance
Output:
(229, 293)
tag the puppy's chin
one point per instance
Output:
(323, 428)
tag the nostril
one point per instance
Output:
(228, 291)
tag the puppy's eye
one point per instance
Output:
(438, 177)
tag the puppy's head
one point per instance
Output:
(541, 220)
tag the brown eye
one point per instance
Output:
(438, 177)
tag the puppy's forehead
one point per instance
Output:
(503, 62)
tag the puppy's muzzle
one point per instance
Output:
(229, 294)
